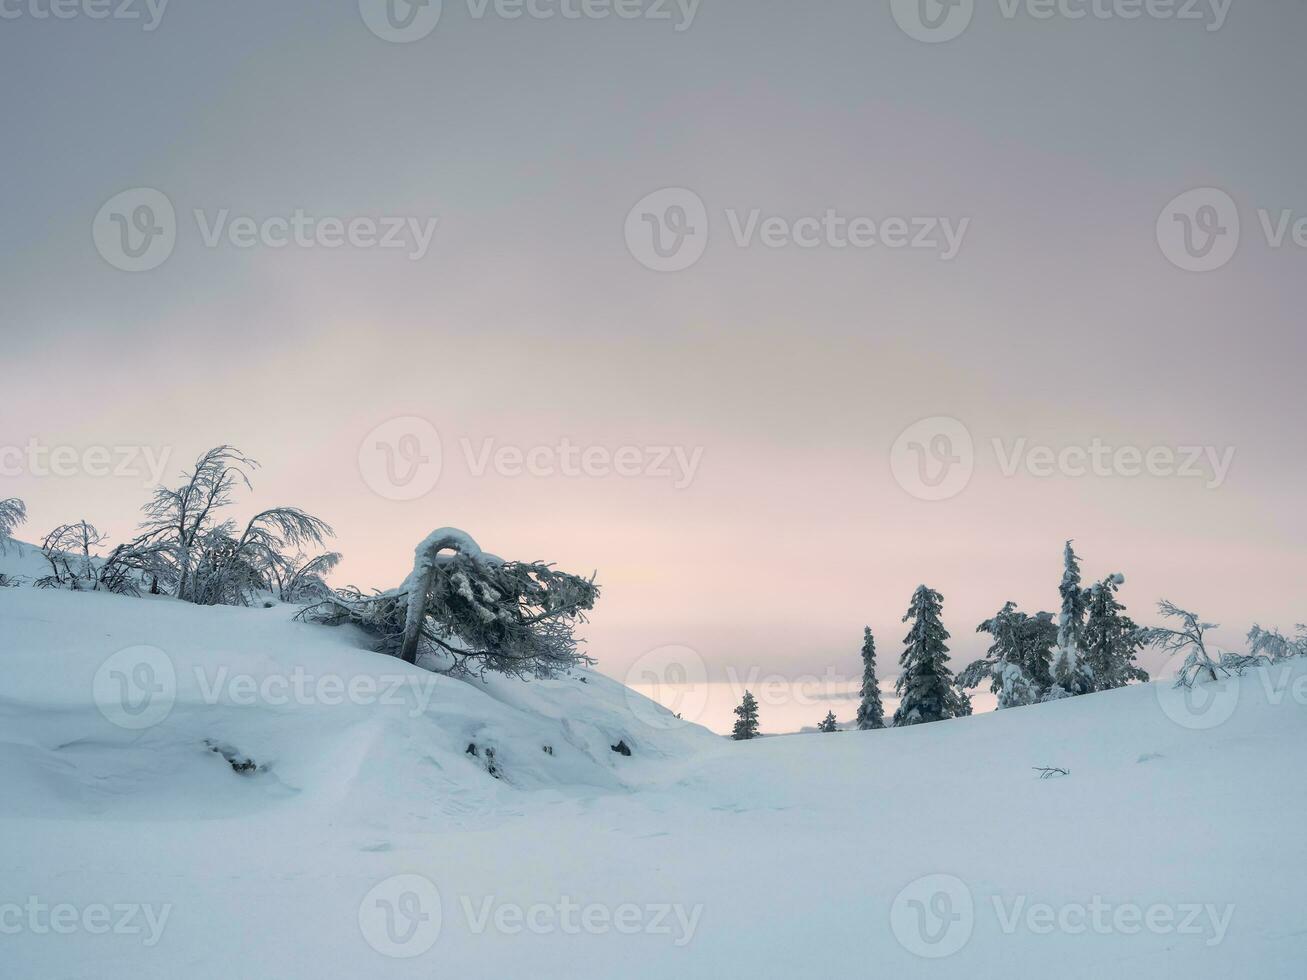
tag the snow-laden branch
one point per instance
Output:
(12, 513)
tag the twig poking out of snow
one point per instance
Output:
(240, 765)
(1048, 772)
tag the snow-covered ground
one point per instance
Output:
(368, 841)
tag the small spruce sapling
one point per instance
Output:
(746, 724)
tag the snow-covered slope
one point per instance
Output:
(328, 722)
(369, 842)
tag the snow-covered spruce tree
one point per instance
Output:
(1071, 671)
(12, 513)
(1017, 663)
(1191, 636)
(926, 684)
(1111, 638)
(746, 719)
(464, 610)
(871, 713)
(829, 724)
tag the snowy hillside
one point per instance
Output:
(288, 804)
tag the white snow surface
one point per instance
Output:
(781, 857)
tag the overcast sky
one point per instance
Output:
(743, 494)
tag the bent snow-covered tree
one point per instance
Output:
(1274, 645)
(473, 611)
(1190, 636)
